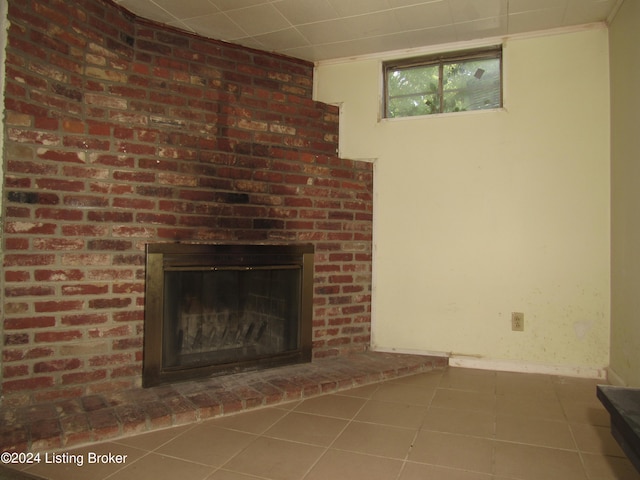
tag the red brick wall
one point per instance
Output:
(120, 132)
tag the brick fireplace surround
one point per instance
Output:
(120, 132)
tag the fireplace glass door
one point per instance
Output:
(230, 314)
(220, 309)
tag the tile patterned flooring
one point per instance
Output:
(447, 424)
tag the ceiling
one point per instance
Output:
(330, 29)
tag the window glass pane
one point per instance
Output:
(457, 82)
(471, 85)
(413, 91)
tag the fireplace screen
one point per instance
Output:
(214, 309)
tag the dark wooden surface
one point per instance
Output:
(623, 405)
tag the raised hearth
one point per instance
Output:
(110, 415)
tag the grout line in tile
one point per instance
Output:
(186, 428)
(109, 475)
(306, 474)
(556, 385)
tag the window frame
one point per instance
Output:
(440, 60)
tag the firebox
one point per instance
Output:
(220, 309)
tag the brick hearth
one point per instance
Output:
(95, 418)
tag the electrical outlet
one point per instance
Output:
(517, 321)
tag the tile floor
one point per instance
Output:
(450, 424)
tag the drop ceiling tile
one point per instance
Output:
(519, 6)
(350, 28)
(372, 24)
(226, 5)
(423, 16)
(259, 19)
(305, 11)
(535, 20)
(415, 38)
(216, 25)
(431, 36)
(587, 11)
(344, 49)
(282, 39)
(147, 10)
(407, 3)
(331, 31)
(471, 10)
(188, 8)
(358, 7)
(310, 53)
(394, 42)
(485, 28)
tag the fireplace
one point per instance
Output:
(219, 309)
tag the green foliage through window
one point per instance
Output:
(456, 82)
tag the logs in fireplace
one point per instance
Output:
(220, 309)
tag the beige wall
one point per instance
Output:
(625, 158)
(481, 214)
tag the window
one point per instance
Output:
(455, 82)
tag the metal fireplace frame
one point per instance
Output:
(211, 257)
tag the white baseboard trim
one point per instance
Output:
(521, 367)
(479, 363)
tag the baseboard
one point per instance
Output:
(468, 361)
(522, 367)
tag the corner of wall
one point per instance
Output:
(614, 378)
